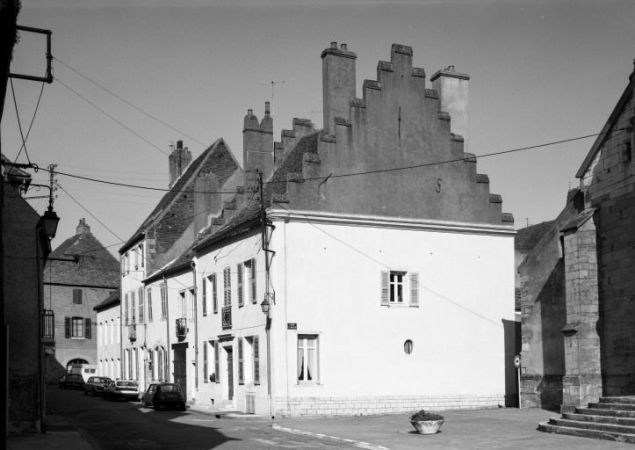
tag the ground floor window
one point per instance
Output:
(308, 358)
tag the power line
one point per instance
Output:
(127, 102)
(352, 174)
(110, 116)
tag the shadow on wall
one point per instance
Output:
(53, 370)
(512, 348)
(553, 314)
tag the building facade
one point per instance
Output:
(372, 245)
(109, 336)
(578, 286)
(25, 249)
(79, 275)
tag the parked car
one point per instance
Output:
(126, 389)
(96, 385)
(71, 380)
(164, 395)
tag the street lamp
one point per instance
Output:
(50, 221)
(265, 306)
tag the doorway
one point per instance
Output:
(230, 372)
(180, 370)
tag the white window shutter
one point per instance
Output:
(385, 287)
(414, 289)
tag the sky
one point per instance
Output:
(133, 77)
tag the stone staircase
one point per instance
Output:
(612, 418)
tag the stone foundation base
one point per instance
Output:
(350, 406)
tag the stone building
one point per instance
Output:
(351, 239)
(25, 248)
(80, 274)
(577, 281)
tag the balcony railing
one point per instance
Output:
(181, 328)
(226, 314)
(132, 333)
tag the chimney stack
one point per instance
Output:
(82, 228)
(179, 159)
(338, 84)
(453, 90)
(258, 143)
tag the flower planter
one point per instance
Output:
(427, 426)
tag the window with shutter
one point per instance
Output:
(77, 296)
(67, 327)
(228, 286)
(133, 308)
(385, 288)
(414, 289)
(239, 274)
(217, 361)
(214, 294)
(141, 306)
(241, 363)
(164, 300)
(252, 281)
(125, 310)
(149, 295)
(256, 351)
(205, 374)
(204, 299)
(88, 329)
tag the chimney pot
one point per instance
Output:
(334, 45)
(179, 145)
(250, 112)
(343, 47)
(267, 106)
(450, 68)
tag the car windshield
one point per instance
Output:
(170, 388)
(127, 383)
(102, 380)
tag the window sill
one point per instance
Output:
(308, 384)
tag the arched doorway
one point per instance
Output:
(75, 361)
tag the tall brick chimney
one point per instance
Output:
(179, 159)
(453, 89)
(258, 144)
(338, 84)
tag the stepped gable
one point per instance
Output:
(397, 124)
(95, 265)
(216, 159)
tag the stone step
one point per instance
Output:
(595, 426)
(605, 412)
(621, 400)
(581, 432)
(627, 421)
(619, 406)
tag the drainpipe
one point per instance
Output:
(167, 325)
(194, 299)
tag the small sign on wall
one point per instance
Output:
(292, 326)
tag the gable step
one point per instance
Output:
(595, 426)
(581, 432)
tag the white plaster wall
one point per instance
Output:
(247, 321)
(327, 281)
(109, 343)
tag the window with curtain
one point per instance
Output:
(307, 358)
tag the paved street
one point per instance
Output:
(124, 425)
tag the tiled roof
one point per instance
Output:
(112, 300)
(95, 265)
(527, 237)
(175, 190)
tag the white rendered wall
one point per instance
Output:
(327, 281)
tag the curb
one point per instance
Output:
(340, 440)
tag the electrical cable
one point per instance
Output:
(126, 101)
(110, 116)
